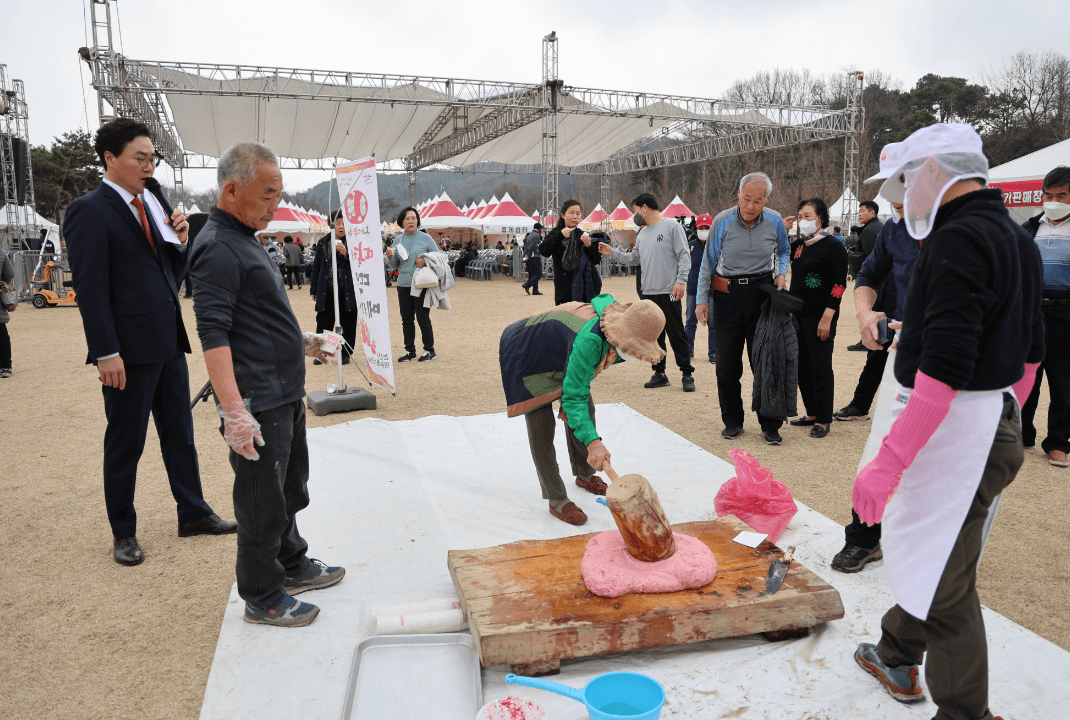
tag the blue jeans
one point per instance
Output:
(692, 325)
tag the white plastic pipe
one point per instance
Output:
(439, 621)
(417, 607)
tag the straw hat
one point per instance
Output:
(633, 328)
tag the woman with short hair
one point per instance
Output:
(404, 256)
(819, 277)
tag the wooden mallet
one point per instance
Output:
(639, 517)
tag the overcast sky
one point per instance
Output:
(695, 47)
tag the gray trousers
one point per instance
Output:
(953, 635)
(541, 427)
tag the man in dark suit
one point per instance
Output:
(125, 271)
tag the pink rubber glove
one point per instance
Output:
(240, 429)
(1023, 387)
(929, 404)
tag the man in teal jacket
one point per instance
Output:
(555, 354)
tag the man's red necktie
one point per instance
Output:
(144, 222)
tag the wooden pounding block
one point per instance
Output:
(640, 519)
(527, 604)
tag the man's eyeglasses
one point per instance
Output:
(146, 161)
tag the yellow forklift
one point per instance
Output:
(52, 286)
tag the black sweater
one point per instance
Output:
(972, 315)
(818, 275)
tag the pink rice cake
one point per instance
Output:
(609, 570)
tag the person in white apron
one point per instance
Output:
(971, 338)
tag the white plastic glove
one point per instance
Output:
(312, 347)
(240, 429)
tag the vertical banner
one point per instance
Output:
(358, 194)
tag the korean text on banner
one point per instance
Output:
(358, 194)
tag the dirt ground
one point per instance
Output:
(99, 640)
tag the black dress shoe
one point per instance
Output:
(537, 293)
(127, 551)
(819, 432)
(211, 525)
(803, 422)
(858, 347)
(527, 289)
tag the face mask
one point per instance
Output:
(1056, 210)
(623, 355)
(808, 227)
(704, 234)
(638, 220)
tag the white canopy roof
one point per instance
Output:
(1033, 166)
(209, 124)
(27, 218)
(836, 210)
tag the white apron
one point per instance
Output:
(924, 516)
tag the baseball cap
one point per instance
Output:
(704, 221)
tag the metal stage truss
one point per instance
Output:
(449, 124)
(15, 161)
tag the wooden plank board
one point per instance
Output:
(527, 603)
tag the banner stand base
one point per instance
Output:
(320, 402)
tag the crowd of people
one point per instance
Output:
(979, 309)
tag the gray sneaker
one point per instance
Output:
(317, 575)
(901, 682)
(288, 613)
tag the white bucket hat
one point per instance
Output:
(925, 165)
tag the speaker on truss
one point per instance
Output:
(21, 150)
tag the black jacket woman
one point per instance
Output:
(554, 247)
(819, 277)
(321, 286)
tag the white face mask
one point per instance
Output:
(1056, 210)
(623, 355)
(808, 227)
(704, 234)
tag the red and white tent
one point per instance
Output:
(1021, 179)
(621, 218)
(474, 213)
(444, 214)
(488, 209)
(594, 220)
(676, 208)
(506, 218)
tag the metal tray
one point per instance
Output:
(400, 677)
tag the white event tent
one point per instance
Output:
(506, 219)
(445, 214)
(1021, 179)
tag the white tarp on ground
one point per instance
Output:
(389, 499)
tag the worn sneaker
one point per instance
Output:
(317, 575)
(406, 357)
(731, 432)
(901, 682)
(858, 347)
(851, 413)
(853, 558)
(288, 613)
(689, 383)
(657, 380)
(5, 373)
(428, 355)
(772, 437)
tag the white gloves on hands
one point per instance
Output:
(241, 430)
(312, 347)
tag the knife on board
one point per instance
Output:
(777, 570)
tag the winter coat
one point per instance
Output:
(436, 297)
(586, 279)
(320, 283)
(775, 361)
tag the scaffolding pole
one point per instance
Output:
(19, 208)
(856, 118)
(551, 87)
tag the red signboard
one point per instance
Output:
(1021, 193)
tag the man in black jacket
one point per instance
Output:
(866, 238)
(533, 260)
(125, 273)
(254, 352)
(1051, 232)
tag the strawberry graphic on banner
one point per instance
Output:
(358, 193)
